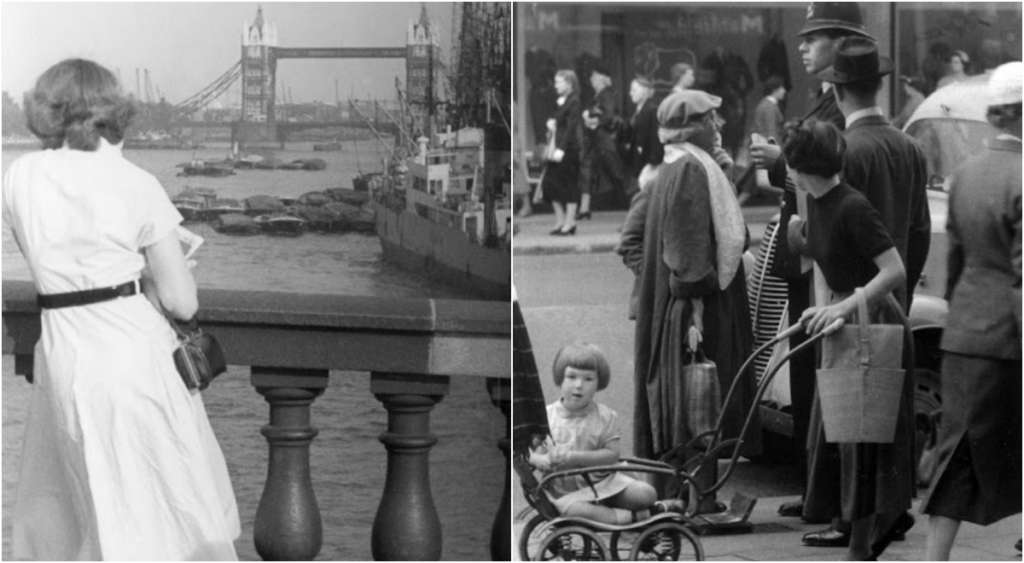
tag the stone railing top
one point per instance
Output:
(305, 331)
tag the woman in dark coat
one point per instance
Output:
(692, 285)
(979, 467)
(561, 175)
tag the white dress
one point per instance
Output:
(119, 458)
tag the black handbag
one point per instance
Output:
(198, 357)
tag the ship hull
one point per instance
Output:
(444, 254)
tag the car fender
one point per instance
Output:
(928, 312)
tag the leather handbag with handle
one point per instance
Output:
(861, 380)
(198, 357)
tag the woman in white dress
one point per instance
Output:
(119, 458)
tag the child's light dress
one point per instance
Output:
(593, 428)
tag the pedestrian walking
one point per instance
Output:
(561, 183)
(826, 22)
(692, 287)
(979, 447)
(119, 458)
(645, 149)
(601, 170)
(768, 118)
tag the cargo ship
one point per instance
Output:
(446, 210)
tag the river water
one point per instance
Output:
(347, 461)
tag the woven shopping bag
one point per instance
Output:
(860, 382)
(703, 394)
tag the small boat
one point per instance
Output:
(268, 164)
(351, 197)
(297, 165)
(323, 147)
(262, 205)
(320, 219)
(353, 217)
(202, 168)
(205, 193)
(281, 224)
(315, 199)
(363, 182)
(310, 164)
(236, 224)
(288, 201)
(221, 206)
(192, 208)
(248, 161)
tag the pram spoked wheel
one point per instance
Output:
(667, 541)
(572, 543)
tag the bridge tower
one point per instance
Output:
(258, 82)
(422, 68)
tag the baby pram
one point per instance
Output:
(669, 536)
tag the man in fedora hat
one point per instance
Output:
(827, 22)
(890, 169)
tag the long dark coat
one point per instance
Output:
(679, 264)
(644, 146)
(890, 169)
(561, 179)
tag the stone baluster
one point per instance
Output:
(288, 525)
(501, 532)
(406, 527)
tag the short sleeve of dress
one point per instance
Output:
(609, 428)
(872, 238)
(157, 216)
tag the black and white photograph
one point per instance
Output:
(257, 280)
(767, 281)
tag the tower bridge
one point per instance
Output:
(257, 71)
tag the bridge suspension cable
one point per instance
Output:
(211, 92)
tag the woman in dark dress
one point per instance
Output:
(561, 176)
(852, 249)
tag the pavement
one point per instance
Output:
(601, 234)
(575, 288)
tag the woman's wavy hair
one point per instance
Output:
(570, 77)
(76, 102)
(583, 356)
(814, 147)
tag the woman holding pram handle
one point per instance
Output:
(852, 248)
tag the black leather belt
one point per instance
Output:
(87, 297)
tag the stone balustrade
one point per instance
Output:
(411, 347)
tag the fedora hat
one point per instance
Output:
(856, 59)
(834, 15)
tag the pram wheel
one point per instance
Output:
(667, 541)
(531, 536)
(572, 543)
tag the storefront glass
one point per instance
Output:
(734, 48)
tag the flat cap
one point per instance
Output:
(680, 107)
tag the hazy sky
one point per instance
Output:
(188, 45)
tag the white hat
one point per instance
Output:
(1005, 84)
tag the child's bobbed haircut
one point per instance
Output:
(585, 356)
(78, 101)
(814, 147)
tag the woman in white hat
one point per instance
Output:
(979, 469)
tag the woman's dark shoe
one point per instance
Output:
(897, 532)
(829, 537)
(583, 216)
(564, 232)
(792, 509)
(556, 232)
